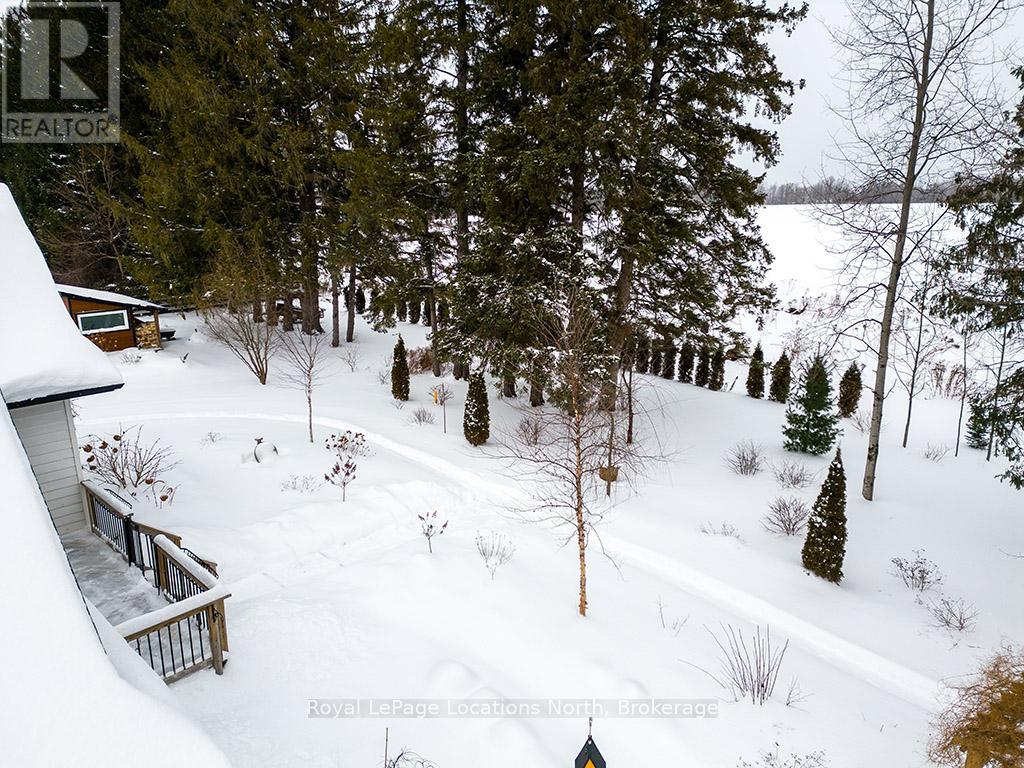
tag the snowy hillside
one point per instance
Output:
(342, 600)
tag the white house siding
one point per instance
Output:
(48, 433)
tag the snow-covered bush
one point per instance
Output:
(302, 484)
(529, 430)
(745, 458)
(792, 474)
(131, 463)
(495, 549)
(919, 574)
(725, 529)
(953, 614)
(775, 760)
(786, 516)
(384, 372)
(430, 527)
(131, 357)
(350, 357)
(420, 359)
(749, 667)
(348, 444)
(422, 416)
(211, 438)
(936, 452)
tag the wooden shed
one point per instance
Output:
(113, 321)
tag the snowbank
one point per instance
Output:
(65, 704)
(42, 353)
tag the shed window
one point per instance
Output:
(98, 322)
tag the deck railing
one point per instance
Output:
(190, 633)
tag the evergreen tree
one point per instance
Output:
(668, 360)
(825, 546)
(403, 311)
(427, 316)
(414, 311)
(360, 301)
(849, 391)
(755, 376)
(686, 355)
(716, 379)
(400, 372)
(811, 418)
(655, 360)
(978, 426)
(781, 376)
(703, 374)
(476, 422)
(643, 353)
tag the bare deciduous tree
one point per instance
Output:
(922, 108)
(304, 366)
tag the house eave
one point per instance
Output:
(64, 396)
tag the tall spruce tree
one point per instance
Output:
(686, 355)
(716, 379)
(476, 420)
(825, 546)
(400, 372)
(655, 360)
(703, 374)
(668, 359)
(755, 375)
(849, 391)
(781, 377)
(811, 418)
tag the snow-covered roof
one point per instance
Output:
(63, 694)
(108, 297)
(42, 352)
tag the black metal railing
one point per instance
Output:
(183, 644)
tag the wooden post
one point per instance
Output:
(216, 647)
(223, 625)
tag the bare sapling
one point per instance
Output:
(430, 527)
(442, 395)
(304, 366)
(341, 474)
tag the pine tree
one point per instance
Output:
(403, 311)
(825, 546)
(655, 360)
(668, 360)
(476, 422)
(686, 355)
(977, 424)
(643, 353)
(703, 374)
(400, 372)
(414, 312)
(811, 419)
(717, 378)
(755, 376)
(781, 376)
(849, 391)
(427, 317)
(360, 301)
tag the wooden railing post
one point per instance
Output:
(223, 622)
(129, 539)
(216, 639)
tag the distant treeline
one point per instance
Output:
(836, 191)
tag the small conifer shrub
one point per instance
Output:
(703, 374)
(849, 391)
(977, 425)
(781, 377)
(717, 379)
(400, 372)
(825, 546)
(668, 360)
(755, 376)
(643, 354)
(686, 356)
(476, 422)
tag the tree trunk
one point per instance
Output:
(271, 305)
(963, 399)
(508, 385)
(257, 311)
(461, 134)
(335, 312)
(909, 180)
(581, 526)
(350, 325)
(431, 304)
(309, 412)
(629, 406)
(288, 314)
(995, 395)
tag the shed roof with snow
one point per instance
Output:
(43, 356)
(106, 297)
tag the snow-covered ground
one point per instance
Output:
(337, 600)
